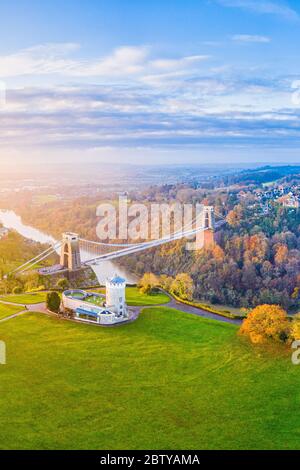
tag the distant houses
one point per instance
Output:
(290, 201)
(287, 195)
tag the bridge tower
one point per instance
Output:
(207, 236)
(70, 252)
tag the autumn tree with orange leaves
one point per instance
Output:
(266, 322)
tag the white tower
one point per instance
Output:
(116, 295)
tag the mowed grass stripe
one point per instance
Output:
(8, 310)
(25, 299)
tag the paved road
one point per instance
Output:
(136, 311)
(201, 313)
(27, 308)
(187, 309)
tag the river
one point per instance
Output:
(105, 269)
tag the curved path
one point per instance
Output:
(200, 312)
(41, 308)
(27, 308)
(177, 305)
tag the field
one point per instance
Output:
(135, 298)
(168, 381)
(8, 310)
(25, 299)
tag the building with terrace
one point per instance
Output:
(92, 307)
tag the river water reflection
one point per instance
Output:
(105, 269)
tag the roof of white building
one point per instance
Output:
(117, 280)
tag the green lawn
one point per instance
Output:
(167, 381)
(135, 298)
(8, 310)
(25, 299)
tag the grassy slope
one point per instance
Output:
(8, 310)
(135, 298)
(25, 299)
(168, 381)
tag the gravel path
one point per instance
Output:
(188, 309)
(27, 308)
(201, 313)
(135, 311)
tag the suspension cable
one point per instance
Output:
(53, 247)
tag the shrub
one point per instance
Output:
(53, 301)
(17, 290)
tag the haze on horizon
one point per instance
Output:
(149, 82)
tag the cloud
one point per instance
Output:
(250, 38)
(171, 64)
(55, 59)
(201, 110)
(124, 61)
(263, 7)
(141, 100)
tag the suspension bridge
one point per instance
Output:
(77, 253)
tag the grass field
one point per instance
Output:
(25, 299)
(135, 298)
(8, 310)
(168, 381)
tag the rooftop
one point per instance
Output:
(117, 280)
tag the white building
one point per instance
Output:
(116, 295)
(95, 308)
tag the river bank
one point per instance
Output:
(12, 221)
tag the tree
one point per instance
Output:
(62, 283)
(183, 286)
(148, 283)
(266, 322)
(281, 255)
(235, 216)
(166, 282)
(53, 302)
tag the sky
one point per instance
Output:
(131, 81)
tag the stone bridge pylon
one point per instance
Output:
(70, 252)
(207, 236)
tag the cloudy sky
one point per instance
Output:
(150, 81)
